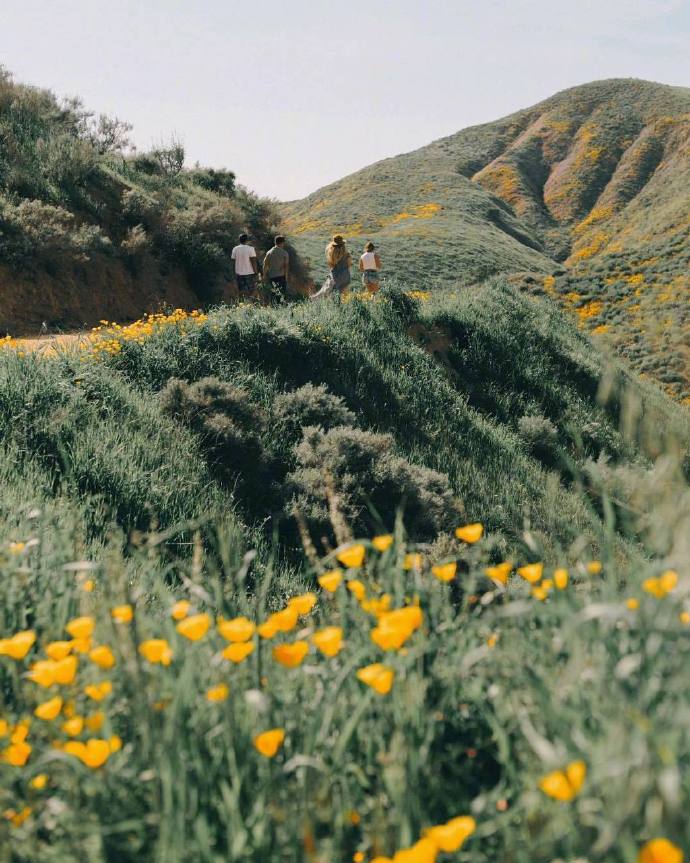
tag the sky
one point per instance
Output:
(293, 94)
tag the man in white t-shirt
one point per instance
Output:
(246, 267)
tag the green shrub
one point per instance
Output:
(310, 405)
(359, 472)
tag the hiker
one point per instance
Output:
(369, 266)
(339, 261)
(246, 266)
(276, 265)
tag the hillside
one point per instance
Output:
(190, 672)
(589, 190)
(89, 230)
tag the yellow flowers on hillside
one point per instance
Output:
(48, 710)
(156, 651)
(122, 613)
(532, 572)
(330, 581)
(660, 851)
(195, 627)
(18, 645)
(661, 586)
(237, 630)
(353, 556)
(329, 641)
(218, 693)
(395, 627)
(564, 785)
(291, 655)
(269, 742)
(379, 677)
(470, 533)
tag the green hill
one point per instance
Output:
(88, 233)
(589, 190)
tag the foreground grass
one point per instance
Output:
(492, 688)
(490, 691)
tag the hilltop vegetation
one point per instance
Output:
(87, 232)
(165, 462)
(589, 190)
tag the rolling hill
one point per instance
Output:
(587, 192)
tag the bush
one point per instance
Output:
(310, 405)
(214, 180)
(361, 473)
(229, 429)
(32, 230)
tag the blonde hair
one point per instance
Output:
(336, 250)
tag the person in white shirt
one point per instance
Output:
(369, 266)
(244, 257)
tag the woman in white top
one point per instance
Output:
(369, 267)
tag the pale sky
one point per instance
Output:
(294, 94)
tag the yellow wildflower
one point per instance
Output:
(500, 572)
(660, 851)
(594, 567)
(377, 605)
(661, 586)
(115, 743)
(269, 742)
(236, 630)
(291, 655)
(561, 578)
(356, 587)
(39, 782)
(156, 650)
(122, 613)
(218, 693)
(303, 604)
(684, 617)
(353, 556)
(102, 656)
(470, 533)
(492, 640)
(49, 710)
(330, 581)
(194, 628)
(413, 561)
(73, 727)
(565, 784)
(17, 754)
(423, 851)
(532, 572)
(329, 640)
(94, 722)
(395, 627)
(81, 627)
(94, 753)
(18, 645)
(238, 652)
(445, 571)
(379, 677)
(88, 585)
(180, 610)
(632, 603)
(65, 670)
(450, 837)
(17, 818)
(58, 650)
(80, 645)
(383, 542)
(99, 691)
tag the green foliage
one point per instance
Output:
(136, 471)
(68, 192)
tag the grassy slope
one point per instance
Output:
(599, 175)
(474, 725)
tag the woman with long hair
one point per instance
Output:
(339, 262)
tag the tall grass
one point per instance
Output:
(107, 500)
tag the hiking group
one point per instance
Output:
(274, 270)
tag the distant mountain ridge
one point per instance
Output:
(588, 191)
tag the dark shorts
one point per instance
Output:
(246, 283)
(370, 277)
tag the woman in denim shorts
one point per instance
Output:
(369, 267)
